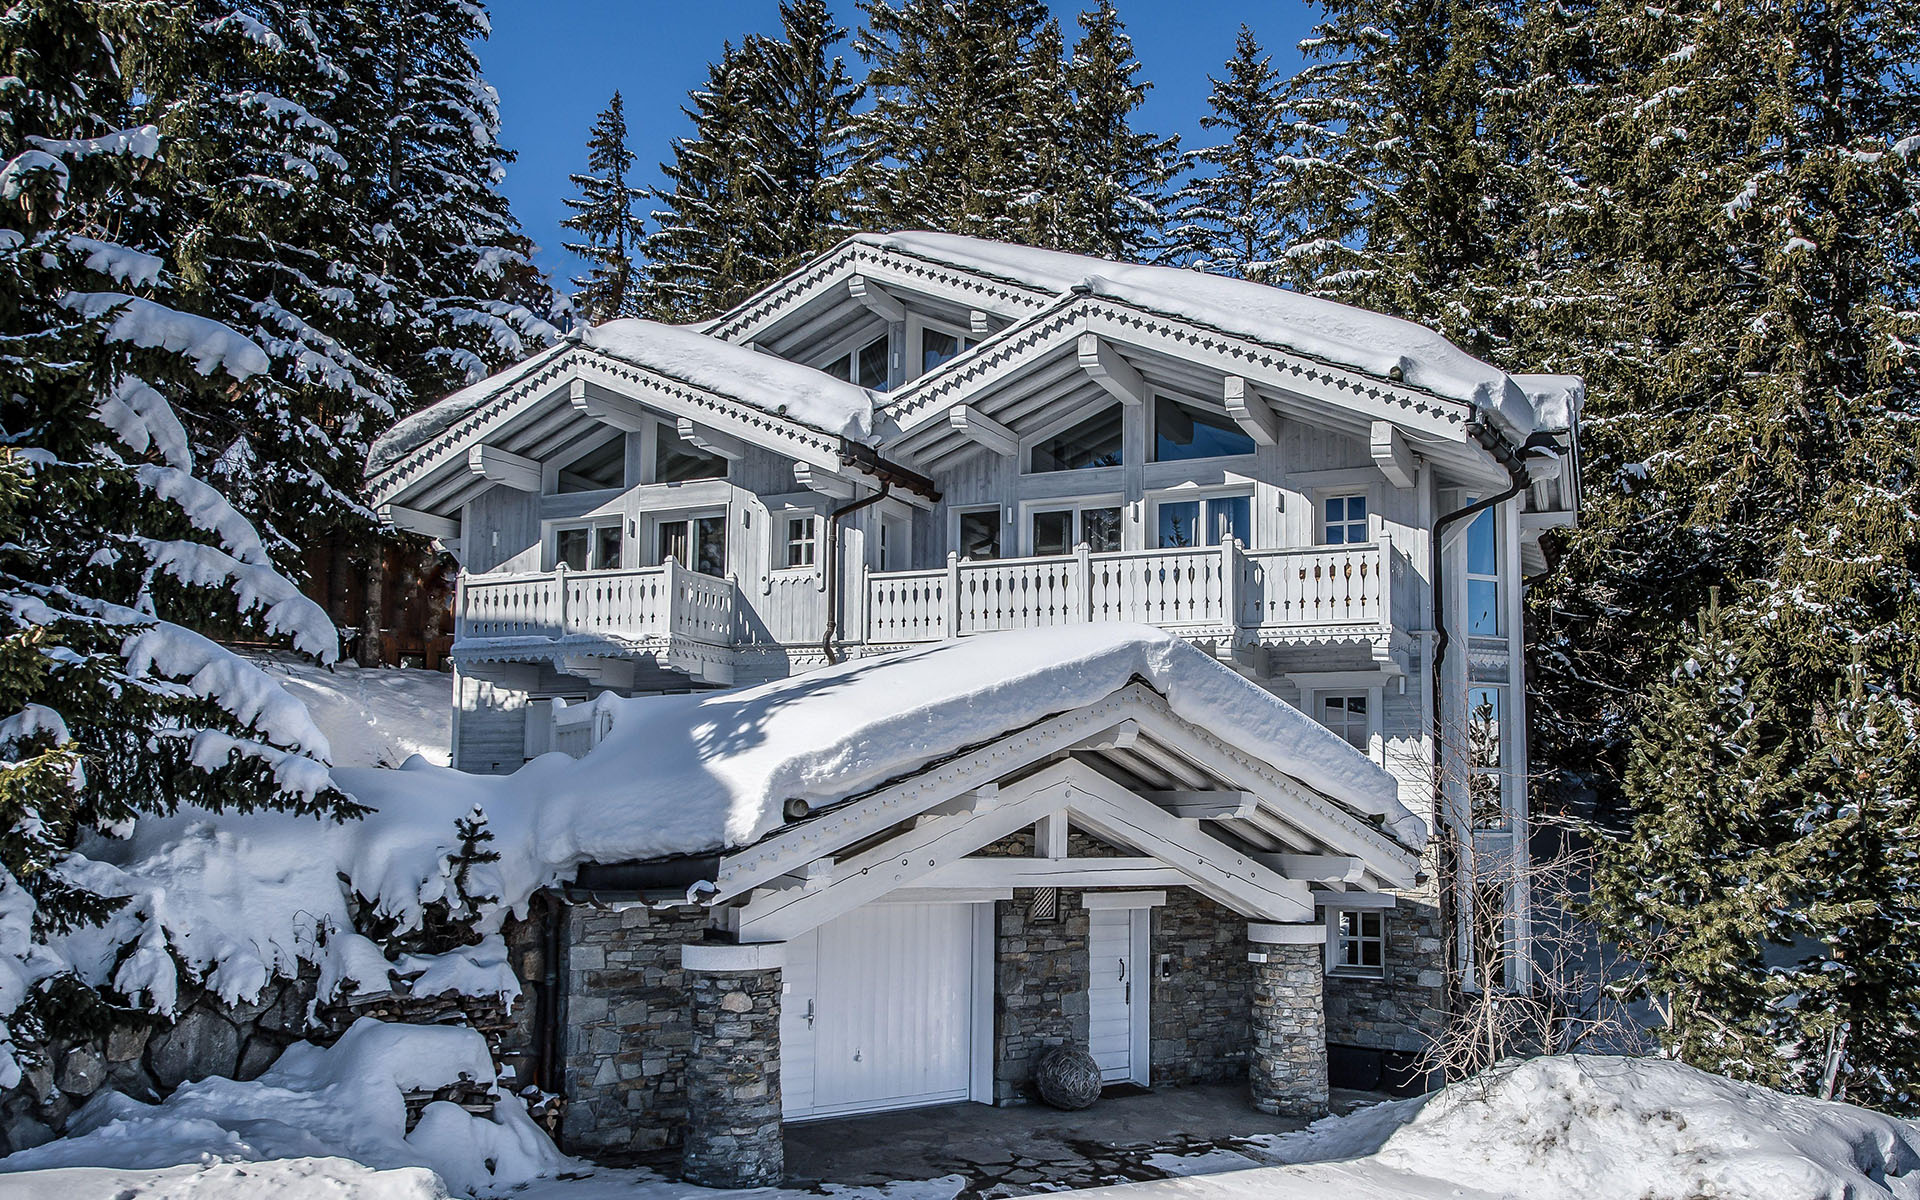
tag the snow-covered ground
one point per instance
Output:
(330, 1123)
(372, 716)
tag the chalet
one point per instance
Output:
(936, 473)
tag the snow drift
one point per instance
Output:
(344, 1101)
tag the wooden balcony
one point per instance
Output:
(594, 622)
(1321, 594)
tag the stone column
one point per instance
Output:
(1289, 1060)
(733, 1066)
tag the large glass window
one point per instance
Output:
(1059, 530)
(1181, 431)
(1486, 785)
(1484, 618)
(679, 461)
(1344, 520)
(1348, 717)
(980, 533)
(1184, 523)
(696, 542)
(937, 346)
(1359, 941)
(604, 466)
(1094, 442)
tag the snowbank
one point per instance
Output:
(1584, 1127)
(244, 897)
(1372, 343)
(371, 716)
(344, 1101)
(772, 385)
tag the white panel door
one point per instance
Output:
(1116, 1003)
(890, 992)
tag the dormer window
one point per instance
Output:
(938, 345)
(865, 365)
(602, 467)
(1093, 443)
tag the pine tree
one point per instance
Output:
(1223, 216)
(761, 184)
(944, 144)
(112, 553)
(603, 212)
(1118, 199)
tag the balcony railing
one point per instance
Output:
(625, 606)
(1265, 595)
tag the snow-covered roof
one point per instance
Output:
(1373, 343)
(760, 381)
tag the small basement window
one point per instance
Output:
(1359, 942)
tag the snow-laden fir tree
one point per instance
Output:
(1222, 218)
(115, 560)
(603, 214)
(1118, 196)
(761, 183)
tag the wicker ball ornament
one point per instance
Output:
(1068, 1078)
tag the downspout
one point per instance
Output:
(833, 564)
(1494, 444)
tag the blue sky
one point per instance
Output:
(556, 62)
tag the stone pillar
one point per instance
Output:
(1289, 1060)
(733, 1066)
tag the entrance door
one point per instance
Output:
(878, 1011)
(1116, 993)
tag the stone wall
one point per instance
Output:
(1200, 1012)
(1400, 1009)
(1040, 989)
(627, 1026)
(733, 1080)
(1289, 1067)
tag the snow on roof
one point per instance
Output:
(1557, 400)
(1365, 341)
(762, 381)
(239, 896)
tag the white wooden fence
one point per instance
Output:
(1200, 592)
(636, 604)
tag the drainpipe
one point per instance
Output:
(833, 564)
(1516, 469)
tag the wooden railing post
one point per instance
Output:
(1083, 577)
(670, 594)
(460, 606)
(559, 613)
(866, 602)
(1230, 560)
(953, 594)
(1385, 582)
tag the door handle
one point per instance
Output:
(1123, 970)
(809, 1014)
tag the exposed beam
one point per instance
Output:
(983, 430)
(1050, 836)
(1317, 868)
(1251, 411)
(878, 300)
(1206, 805)
(503, 467)
(1393, 456)
(1118, 376)
(414, 521)
(1120, 737)
(712, 441)
(617, 411)
(819, 479)
(1057, 872)
(1355, 899)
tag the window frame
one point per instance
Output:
(1469, 577)
(1315, 684)
(917, 327)
(954, 517)
(552, 529)
(1321, 525)
(850, 348)
(1030, 442)
(655, 518)
(1151, 453)
(1078, 504)
(787, 544)
(1337, 942)
(553, 468)
(1189, 495)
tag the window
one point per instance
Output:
(937, 346)
(800, 541)
(1204, 522)
(866, 366)
(1094, 442)
(696, 542)
(896, 543)
(1486, 784)
(588, 546)
(1359, 942)
(678, 461)
(1348, 717)
(980, 533)
(1059, 530)
(1344, 520)
(1181, 431)
(1483, 578)
(604, 466)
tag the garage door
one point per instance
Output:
(878, 1011)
